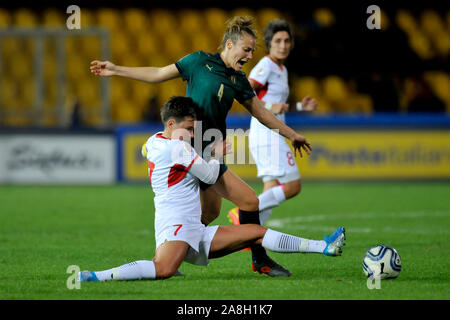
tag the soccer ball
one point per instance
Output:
(382, 261)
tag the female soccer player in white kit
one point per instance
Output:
(274, 159)
(175, 171)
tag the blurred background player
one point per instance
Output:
(214, 81)
(175, 170)
(273, 157)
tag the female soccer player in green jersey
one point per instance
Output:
(213, 82)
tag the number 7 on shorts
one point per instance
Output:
(178, 228)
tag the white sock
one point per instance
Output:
(137, 270)
(282, 242)
(264, 215)
(269, 199)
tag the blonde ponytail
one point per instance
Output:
(236, 26)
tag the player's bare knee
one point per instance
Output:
(293, 188)
(250, 203)
(210, 216)
(164, 271)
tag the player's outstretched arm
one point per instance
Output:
(208, 172)
(257, 109)
(147, 74)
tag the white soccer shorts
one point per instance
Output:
(197, 235)
(275, 161)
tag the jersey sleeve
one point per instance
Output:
(208, 172)
(260, 73)
(182, 153)
(185, 155)
(188, 64)
(245, 90)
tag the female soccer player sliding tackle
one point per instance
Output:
(214, 81)
(175, 172)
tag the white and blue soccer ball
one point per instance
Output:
(382, 261)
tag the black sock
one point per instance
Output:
(252, 217)
(248, 217)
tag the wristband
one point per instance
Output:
(299, 106)
(268, 106)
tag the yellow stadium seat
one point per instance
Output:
(142, 91)
(53, 18)
(5, 18)
(430, 22)
(130, 60)
(72, 45)
(356, 103)
(77, 67)
(265, 15)
(306, 86)
(110, 19)
(119, 89)
(243, 12)
(90, 47)
(121, 44)
(50, 94)
(171, 88)
(27, 94)
(147, 43)
(163, 21)
(334, 88)
(20, 66)
(25, 18)
(158, 60)
(88, 92)
(323, 106)
(324, 17)
(406, 21)
(384, 20)
(191, 21)
(10, 46)
(440, 84)
(136, 20)
(215, 21)
(204, 41)
(125, 111)
(421, 45)
(9, 90)
(441, 42)
(87, 18)
(50, 67)
(176, 46)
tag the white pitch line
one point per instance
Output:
(296, 222)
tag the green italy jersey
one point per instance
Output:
(213, 87)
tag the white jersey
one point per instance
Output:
(273, 80)
(174, 171)
(272, 155)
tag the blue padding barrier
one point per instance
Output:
(385, 120)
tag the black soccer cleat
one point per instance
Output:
(267, 266)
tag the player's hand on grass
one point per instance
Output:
(309, 104)
(299, 142)
(103, 68)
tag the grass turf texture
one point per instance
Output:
(45, 229)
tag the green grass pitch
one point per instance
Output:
(46, 229)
